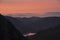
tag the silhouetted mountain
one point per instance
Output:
(34, 24)
(8, 31)
(48, 34)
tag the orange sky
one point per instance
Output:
(29, 6)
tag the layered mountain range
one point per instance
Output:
(35, 15)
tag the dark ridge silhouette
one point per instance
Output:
(48, 34)
(8, 31)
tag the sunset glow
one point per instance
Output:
(29, 6)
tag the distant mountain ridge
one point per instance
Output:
(22, 15)
(35, 15)
(52, 14)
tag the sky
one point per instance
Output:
(36, 7)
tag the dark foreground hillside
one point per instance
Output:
(46, 28)
(8, 31)
(48, 34)
(51, 33)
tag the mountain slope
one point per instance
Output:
(8, 31)
(34, 24)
